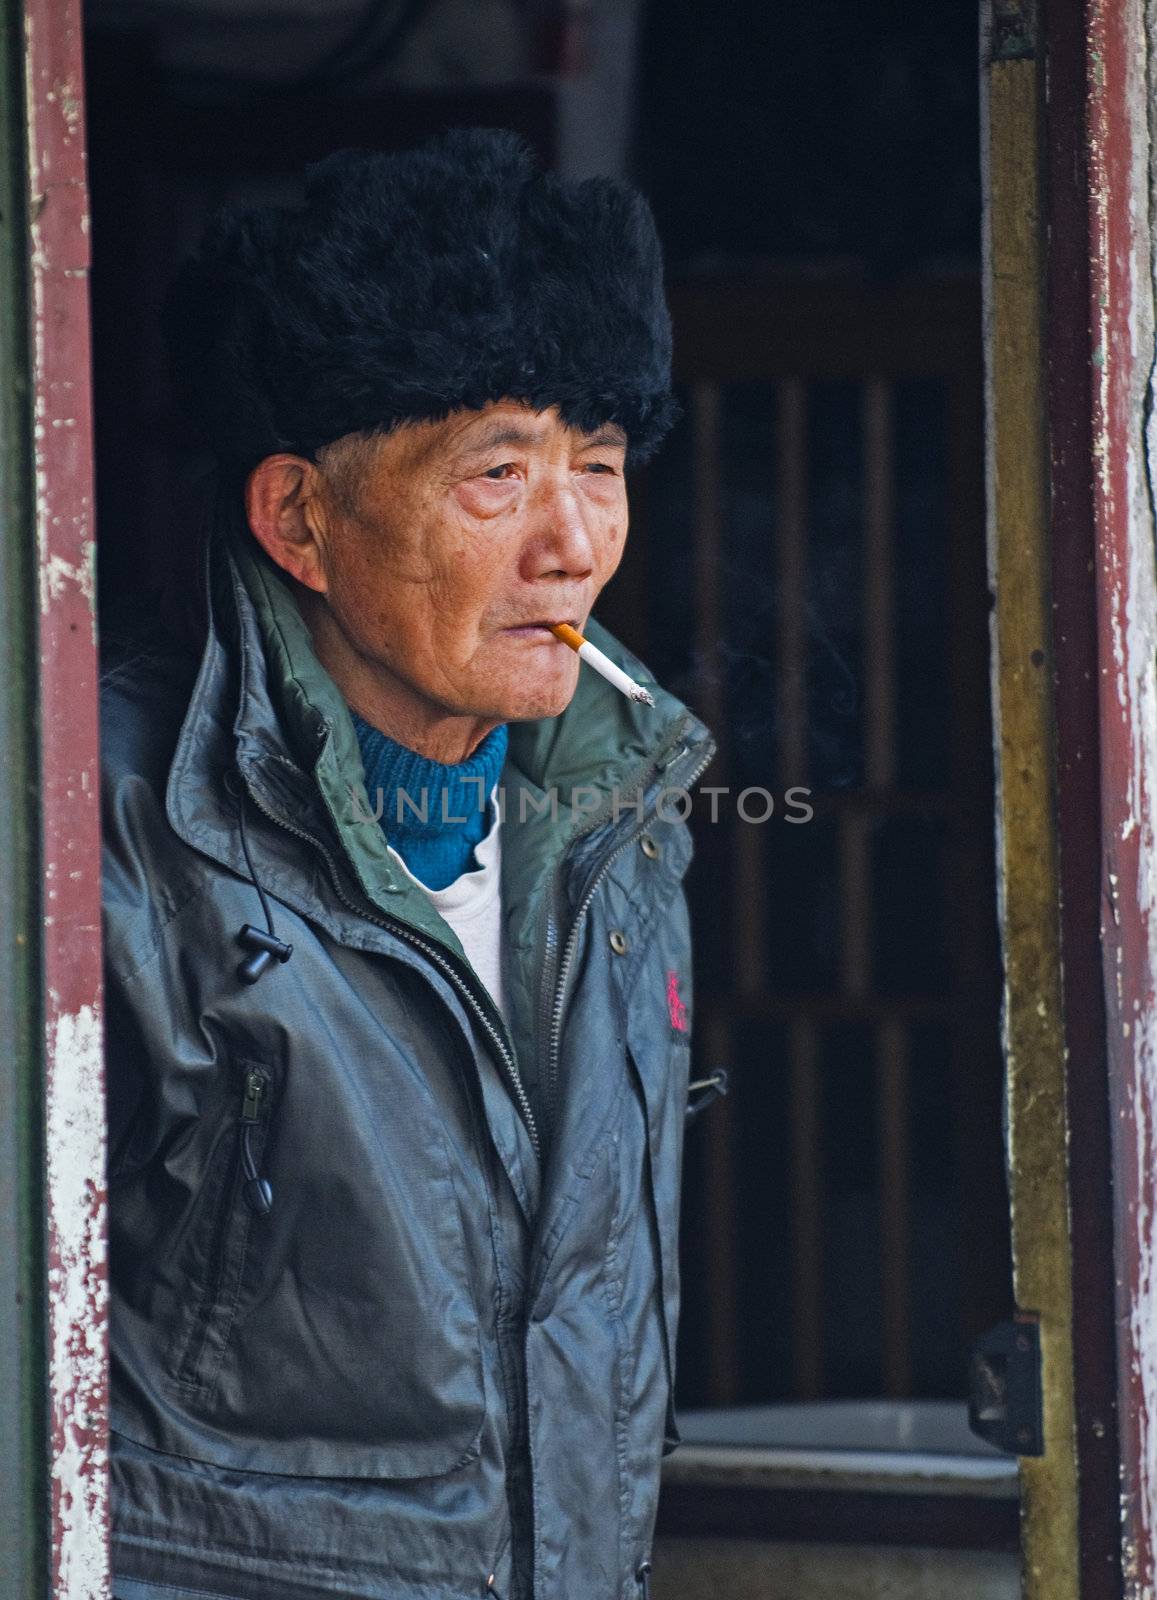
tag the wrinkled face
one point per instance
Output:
(454, 543)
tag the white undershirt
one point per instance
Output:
(472, 905)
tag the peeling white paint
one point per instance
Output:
(74, 1102)
(57, 575)
(77, 1302)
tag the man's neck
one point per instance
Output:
(388, 704)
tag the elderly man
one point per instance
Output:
(398, 970)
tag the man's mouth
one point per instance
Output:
(541, 626)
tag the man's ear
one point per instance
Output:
(284, 509)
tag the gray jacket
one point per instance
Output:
(438, 1363)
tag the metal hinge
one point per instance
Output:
(1004, 1387)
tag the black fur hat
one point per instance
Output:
(413, 285)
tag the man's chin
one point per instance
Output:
(529, 708)
(526, 702)
(526, 696)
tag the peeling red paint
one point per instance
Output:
(1072, 373)
(1122, 324)
(74, 1120)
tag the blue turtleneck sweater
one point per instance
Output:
(455, 805)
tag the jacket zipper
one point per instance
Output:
(549, 967)
(255, 1083)
(253, 1091)
(257, 1190)
(554, 1035)
(550, 935)
(510, 1066)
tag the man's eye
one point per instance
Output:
(599, 466)
(498, 473)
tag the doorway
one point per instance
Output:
(807, 567)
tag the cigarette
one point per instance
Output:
(603, 665)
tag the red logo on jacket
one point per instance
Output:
(676, 1009)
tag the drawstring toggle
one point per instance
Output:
(265, 946)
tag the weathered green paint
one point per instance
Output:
(24, 1508)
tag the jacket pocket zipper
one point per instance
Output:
(258, 1197)
(258, 1191)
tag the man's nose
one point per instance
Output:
(561, 537)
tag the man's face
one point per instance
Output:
(458, 541)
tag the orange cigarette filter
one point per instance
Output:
(568, 635)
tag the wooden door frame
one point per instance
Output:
(1072, 526)
(1069, 343)
(1121, 320)
(1028, 870)
(1074, 534)
(53, 1413)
